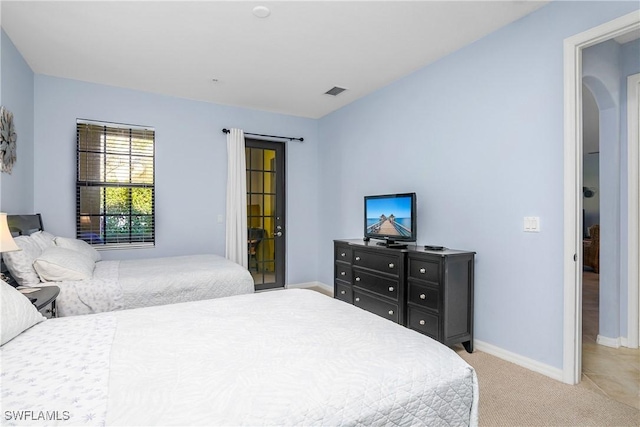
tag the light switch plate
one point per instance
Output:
(532, 224)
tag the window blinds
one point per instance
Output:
(115, 194)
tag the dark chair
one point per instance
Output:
(591, 251)
(254, 237)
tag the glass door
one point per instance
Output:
(266, 212)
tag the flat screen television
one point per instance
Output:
(390, 218)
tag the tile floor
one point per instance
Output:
(614, 372)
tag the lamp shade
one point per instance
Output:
(7, 244)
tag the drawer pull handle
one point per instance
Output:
(391, 312)
(391, 265)
(343, 292)
(357, 258)
(423, 296)
(343, 254)
(357, 299)
(423, 270)
(422, 322)
(390, 288)
(357, 279)
(343, 273)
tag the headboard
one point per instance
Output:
(23, 225)
(20, 225)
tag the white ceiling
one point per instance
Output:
(284, 63)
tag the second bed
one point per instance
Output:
(90, 285)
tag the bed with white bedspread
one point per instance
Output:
(125, 284)
(90, 285)
(290, 357)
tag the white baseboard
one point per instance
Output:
(328, 288)
(525, 362)
(613, 342)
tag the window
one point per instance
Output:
(115, 184)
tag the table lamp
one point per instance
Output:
(7, 244)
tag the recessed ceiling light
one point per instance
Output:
(261, 11)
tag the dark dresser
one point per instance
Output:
(428, 291)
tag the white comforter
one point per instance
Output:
(291, 357)
(118, 285)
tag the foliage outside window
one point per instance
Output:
(115, 184)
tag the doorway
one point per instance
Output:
(266, 221)
(572, 366)
(609, 365)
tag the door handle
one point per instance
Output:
(279, 233)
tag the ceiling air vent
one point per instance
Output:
(334, 91)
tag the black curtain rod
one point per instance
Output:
(268, 136)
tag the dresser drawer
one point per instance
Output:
(426, 323)
(424, 296)
(343, 292)
(377, 306)
(343, 253)
(343, 272)
(422, 269)
(384, 263)
(386, 287)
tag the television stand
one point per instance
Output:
(430, 292)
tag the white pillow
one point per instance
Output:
(20, 263)
(43, 239)
(17, 313)
(78, 246)
(60, 264)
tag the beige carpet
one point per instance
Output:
(514, 396)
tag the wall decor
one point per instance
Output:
(8, 139)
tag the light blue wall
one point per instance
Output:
(16, 189)
(2, 36)
(190, 166)
(590, 157)
(590, 176)
(479, 136)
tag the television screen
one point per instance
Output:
(390, 217)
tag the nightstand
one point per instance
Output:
(45, 300)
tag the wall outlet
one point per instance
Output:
(220, 218)
(532, 224)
